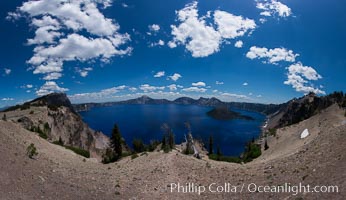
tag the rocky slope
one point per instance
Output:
(299, 109)
(54, 116)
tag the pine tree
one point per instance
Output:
(116, 141)
(211, 143)
(218, 151)
(171, 140)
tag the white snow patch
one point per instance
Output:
(304, 134)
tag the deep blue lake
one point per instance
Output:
(145, 121)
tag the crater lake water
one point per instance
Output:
(145, 121)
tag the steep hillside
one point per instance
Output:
(299, 109)
(54, 118)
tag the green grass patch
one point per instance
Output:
(79, 151)
(231, 159)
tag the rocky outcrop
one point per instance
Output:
(299, 109)
(55, 116)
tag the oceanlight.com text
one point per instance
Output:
(251, 188)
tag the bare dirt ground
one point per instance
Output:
(57, 173)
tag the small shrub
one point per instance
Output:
(4, 117)
(144, 154)
(38, 130)
(31, 151)
(138, 145)
(126, 153)
(42, 134)
(31, 112)
(134, 156)
(272, 132)
(59, 142)
(109, 156)
(252, 151)
(166, 148)
(153, 145)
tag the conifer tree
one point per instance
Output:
(116, 141)
(211, 143)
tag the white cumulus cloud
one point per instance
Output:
(84, 72)
(154, 27)
(100, 95)
(237, 96)
(175, 77)
(239, 44)
(272, 56)
(273, 7)
(300, 77)
(149, 88)
(159, 74)
(199, 84)
(7, 99)
(200, 37)
(7, 71)
(60, 28)
(194, 89)
(50, 87)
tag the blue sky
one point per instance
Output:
(266, 51)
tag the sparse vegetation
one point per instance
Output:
(4, 117)
(168, 142)
(134, 156)
(115, 151)
(252, 151)
(116, 142)
(272, 132)
(31, 151)
(79, 151)
(224, 158)
(31, 112)
(138, 145)
(153, 145)
(59, 142)
(38, 130)
(109, 156)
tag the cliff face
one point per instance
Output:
(299, 109)
(55, 117)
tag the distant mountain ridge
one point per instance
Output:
(256, 107)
